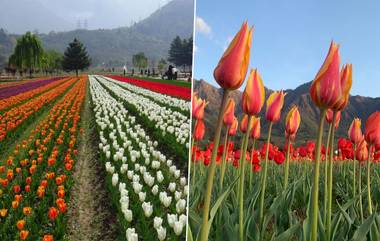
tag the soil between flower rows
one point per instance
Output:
(90, 216)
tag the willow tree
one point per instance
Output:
(75, 57)
(27, 54)
(140, 61)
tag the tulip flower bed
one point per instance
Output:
(14, 117)
(258, 191)
(162, 99)
(163, 88)
(19, 98)
(159, 120)
(286, 207)
(148, 191)
(9, 82)
(35, 179)
(30, 85)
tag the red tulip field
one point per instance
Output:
(93, 158)
(245, 185)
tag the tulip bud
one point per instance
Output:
(128, 215)
(244, 124)
(256, 128)
(148, 209)
(131, 235)
(172, 186)
(115, 179)
(157, 222)
(345, 84)
(355, 132)
(232, 67)
(372, 129)
(24, 234)
(178, 227)
(329, 117)
(161, 233)
(325, 90)
(233, 127)
(20, 224)
(142, 196)
(292, 122)
(53, 213)
(275, 103)
(172, 218)
(198, 108)
(254, 94)
(362, 151)
(48, 237)
(229, 112)
(199, 130)
(181, 205)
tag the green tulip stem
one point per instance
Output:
(360, 193)
(354, 181)
(251, 171)
(330, 178)
(224, 155)
(241, 185)
(264, 177)
(193, 162)
(211, 172)
(369, 180)
(325, 196)
(286, 176)
(314, 204)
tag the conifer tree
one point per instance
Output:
(76, 57)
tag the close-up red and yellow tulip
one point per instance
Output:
(232, 68)
(275, 181)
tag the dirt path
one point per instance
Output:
(90, 216)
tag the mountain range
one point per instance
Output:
(359, 106)
(115, 47)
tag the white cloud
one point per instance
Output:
(201, 26)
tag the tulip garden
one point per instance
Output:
(250, 188)
(142, 138)
(39, 129)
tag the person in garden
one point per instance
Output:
(175, 73)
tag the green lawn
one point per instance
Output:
(172, 82)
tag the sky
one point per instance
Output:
(291, 39)
(19, 16)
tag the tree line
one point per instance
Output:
(29, 56)
(180, 54)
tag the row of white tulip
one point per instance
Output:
(158, 97)
(140, 173)
(169, 121)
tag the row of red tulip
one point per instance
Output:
(181, 92)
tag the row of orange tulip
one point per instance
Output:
(12, 118)
(35, 179)
(17, 99)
